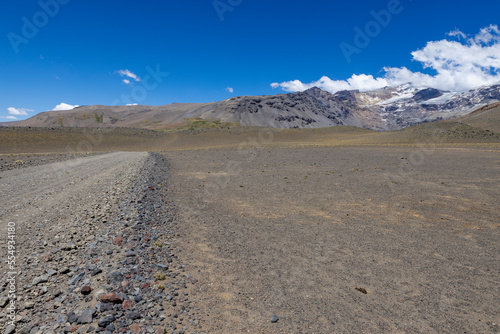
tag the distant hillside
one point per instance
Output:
(390, 108)
(486, 118)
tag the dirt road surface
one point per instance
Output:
(49, 190)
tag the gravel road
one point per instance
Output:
(96, 250)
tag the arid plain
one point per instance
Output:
(337, 230)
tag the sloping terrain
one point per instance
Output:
(486, 118)
(390, 108)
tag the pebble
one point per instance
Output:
(111, 298)
(40, 279)
(10, 329)
(51, 272)
(76, 279)
(103, 322)
(86, 290)
(4, 301)
(115, 277)
(133, 315)
(87, 316)
(96, 272)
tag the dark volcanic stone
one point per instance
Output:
(115, 277)
(87, 315)
(133, 315)
(96, 272)
(106, 321)
(104, 307)
(72, 317)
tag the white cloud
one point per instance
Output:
(64, 106)
(9, 117)
(126, 81)
(457, 33)
(18, 111)
(131, 104)
(230, 89)
(361, 82)
(457, 65)
(129, 74)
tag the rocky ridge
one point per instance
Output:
(389, 108)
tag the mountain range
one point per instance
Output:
(389, 108)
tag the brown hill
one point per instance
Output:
(486, 118)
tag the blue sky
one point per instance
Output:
(83, 52)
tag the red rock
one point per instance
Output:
(118, 240)
(135, 328)
(145, 286)
(86, 290)
(127, 304)
(111, 298)
(73, 329)
(158, 330)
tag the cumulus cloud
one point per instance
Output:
(130, 75)
(361, 82)
(18, 111)
(9, 117)
(457, 65)
(64, 106)
(230, 89)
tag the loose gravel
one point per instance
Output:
(97, 250)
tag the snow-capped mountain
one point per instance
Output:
(406, 105)
(389, 108)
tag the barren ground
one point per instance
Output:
(295, 232)
(336, 230)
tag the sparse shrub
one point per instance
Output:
(83, 116)
(160, 276)
(99, 119)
